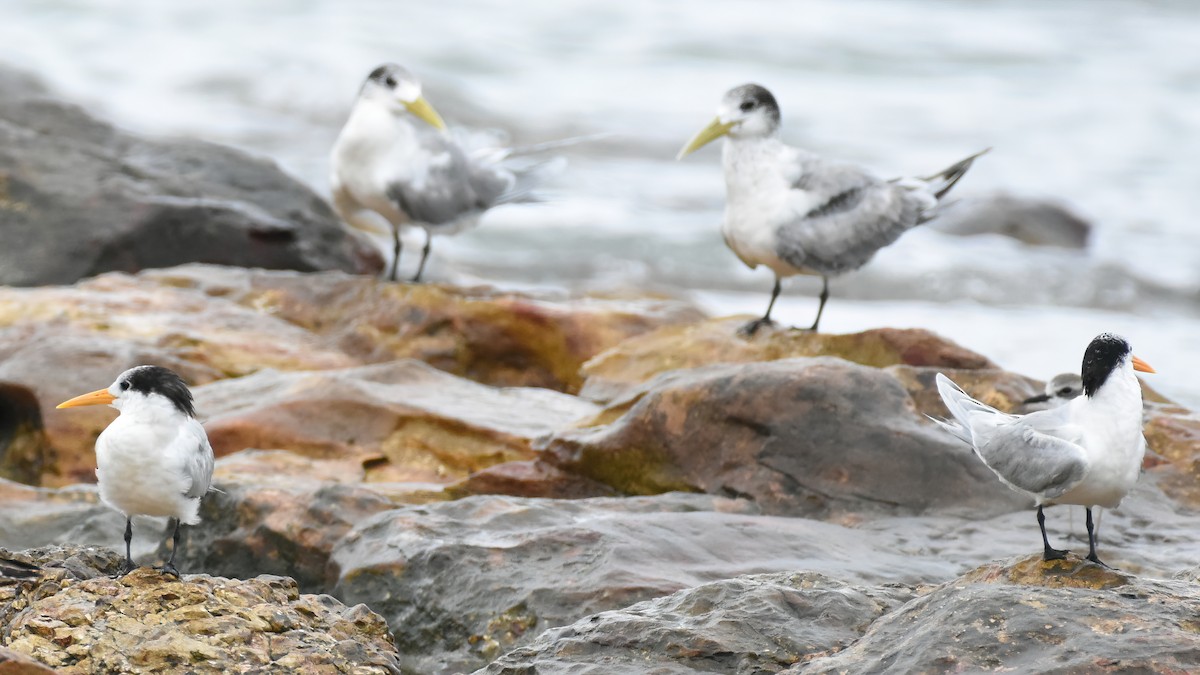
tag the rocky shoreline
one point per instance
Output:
(438, 479)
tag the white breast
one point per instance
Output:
(141, 468)
(1112, 424)
(759, 174)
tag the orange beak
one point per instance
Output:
(98, 397)
(1141, 366)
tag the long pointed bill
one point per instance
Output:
(98, 397)
(426, 113)
(1141, 366)
(708, 134)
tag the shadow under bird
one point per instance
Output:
(394, 160)
(1087, 452)
(154, 459)
(796, 213)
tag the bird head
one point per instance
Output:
(399, 91)
(143, 386)
(748, 111)
(1106, 354)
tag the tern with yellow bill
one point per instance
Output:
(1087, 452)
(797, 213)
(394, 166)
(154, 459)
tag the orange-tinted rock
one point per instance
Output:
(638, 359)
(495, 337)
(529, 479)
(798, 436)
(429, 426)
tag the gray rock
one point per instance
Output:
(1026, 616)
(79, 197)
(462, 582)
(816, 437)
(751, 624)
(1033, 221)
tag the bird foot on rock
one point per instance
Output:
(751, 328)
(1093, 558)
(1054, 554)
(128, 567)
(169, 570)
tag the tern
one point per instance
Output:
(154, 459)
(1059, 390)
(797, 213)
(394, 160)
(1088, 452)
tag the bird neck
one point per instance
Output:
(372, 129)
(1121, 393)
(141, 408)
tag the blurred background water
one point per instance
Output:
(1094, 103)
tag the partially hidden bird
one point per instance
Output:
(154, 459)
(1087, 452)
(395, 161)
(796, 213)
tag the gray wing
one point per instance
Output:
(451, 185)
(1037, 453)
(199, 463)
(851, 215)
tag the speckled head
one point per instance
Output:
(1103, 355)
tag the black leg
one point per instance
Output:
(424, 257)
(1092, 540)
(824, 298)
(395, 253)
(752, 327)
(169, 567)
(129, 565)
(1047, 552)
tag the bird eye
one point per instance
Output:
(124, 386)
(747, 106)
(391, 81)
(1064, 391)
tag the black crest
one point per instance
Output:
(753, 97)
(163, 381)
(1105, 354)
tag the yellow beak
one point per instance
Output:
(98, 397)
(1142, 366)
(426, 113)
(708, 134)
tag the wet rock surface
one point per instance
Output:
(74, 617)
(1031, 616)
(749, 624)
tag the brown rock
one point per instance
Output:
(529, 479)
(495, 337)
(77, 619)
(428, 425)
(619, 370)
(16, 663)
(798, 436)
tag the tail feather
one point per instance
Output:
(961, 405)
(950, 176)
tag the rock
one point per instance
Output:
(1038, 222)
(60, 342)
(31, 517)
(815, 437)
(416, 423)
(463, 582)
(1028, 616)
(619, 370)
(15, 663)
(23, 443)
(75, 618)
(79, 197)
(534, 478)
(495, 337)
(750, 624)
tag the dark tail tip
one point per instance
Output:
(955, 172)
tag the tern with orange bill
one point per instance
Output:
(1087, 452)
(796, 213)
(154, 459)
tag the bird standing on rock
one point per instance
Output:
(394, 160)
(154, 459)
(796, 213)
(1088, 452)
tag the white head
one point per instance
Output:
(399, 92)
(141, 387)
(748, 111)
